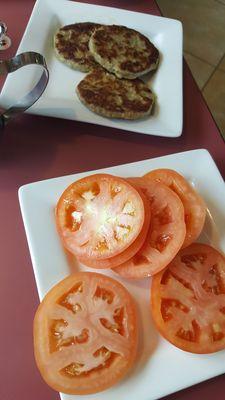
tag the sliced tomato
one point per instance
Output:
(166, 232)
(194, 206)
(85, 334)
(188, 300)
(131, 250)
(99, 216)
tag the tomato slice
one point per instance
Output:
(166, 232)
(99, 216)
(131, 250)
(85, 334)
(194, 206)
(188, 300)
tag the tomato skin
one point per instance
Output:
(194, 206)
(108, 375)
(204, 256)
(101, 228)
(166, 231)
(130, 251)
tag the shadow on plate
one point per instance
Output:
(210, 233)
(148, 335)
(73, 264)
(48, 49)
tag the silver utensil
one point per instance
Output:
(11, 65)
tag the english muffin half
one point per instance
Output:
(109, 96)
(123, 51)
(71, 45)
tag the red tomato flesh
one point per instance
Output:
(130, 251)
(166, 232)
(194, 206)
(99, 216)
(85, 334)
(188, 300)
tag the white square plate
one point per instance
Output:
(161, 368)
(60, 99)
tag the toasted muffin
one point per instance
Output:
(71, 45)
(123, 51)
(109, 96)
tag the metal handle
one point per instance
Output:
(11, 65)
